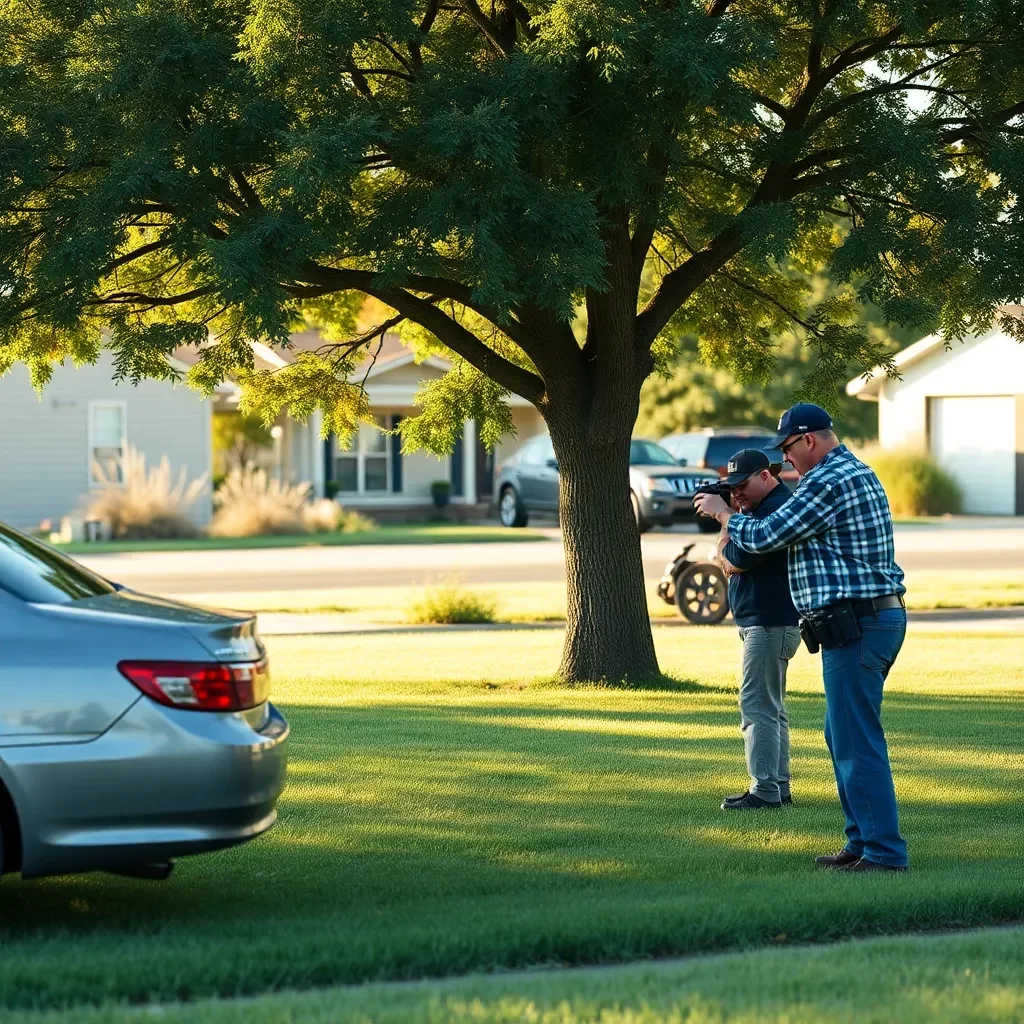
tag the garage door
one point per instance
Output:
(973, 439)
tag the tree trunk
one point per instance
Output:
(608, 630)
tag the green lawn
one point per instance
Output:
(449, 811)
(943, 979)
(428, 533)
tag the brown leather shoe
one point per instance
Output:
(842, 859)
(863, 864)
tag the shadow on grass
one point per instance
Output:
(418, 839)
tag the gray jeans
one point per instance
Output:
(763, 719)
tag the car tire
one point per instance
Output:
(641, 524)
(510, 509)
(707, 525)
(702, 594)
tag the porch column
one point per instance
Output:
(469, 462)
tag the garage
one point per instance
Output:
(962, 401)
(973, 439)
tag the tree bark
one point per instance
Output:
(608, 630)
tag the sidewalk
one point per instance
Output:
(944, 620)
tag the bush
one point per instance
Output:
(250, 504)
(144, 504)
(915, 484)
(449, 603)
(326, 516)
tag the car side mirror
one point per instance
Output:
(552, 464)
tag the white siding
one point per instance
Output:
(44, 443)
(991, 365)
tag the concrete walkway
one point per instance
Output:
(982, 620)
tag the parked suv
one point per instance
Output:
(712, 447)
(660, 488)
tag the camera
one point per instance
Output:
(724, 491)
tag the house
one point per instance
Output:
(372, 473)
(50, 446)
(965, 404)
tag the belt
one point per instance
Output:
(873, 605)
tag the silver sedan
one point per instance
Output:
(133, 730)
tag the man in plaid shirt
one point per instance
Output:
(838, 529)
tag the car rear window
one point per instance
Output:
(722, 447)
(647, 453)
(36, 572)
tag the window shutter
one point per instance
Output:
(396, 456)
(456, 465)
(329, 459)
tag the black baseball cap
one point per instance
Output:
(802, 418)
(745, 464)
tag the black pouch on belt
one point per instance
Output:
(808, 636)
(837, 625)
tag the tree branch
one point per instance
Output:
(485, 25)
(334, 279)
(143, 250)
(994, 122)
(133, 298)
(466, 344)
(907, 82)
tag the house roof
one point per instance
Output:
(868, 388)
(387, 354)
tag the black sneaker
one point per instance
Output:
(862, 865)
(749, 802)
(737, 798)
(838, 860)
(787, 801)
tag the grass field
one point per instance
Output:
(449, 811)
(545, 601)
(428, 533)
(946, 979)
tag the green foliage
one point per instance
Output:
(452, 604)
(914, 483)
(210, 169)
(446, 403)
(236, 441)
(698, 386)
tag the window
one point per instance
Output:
(723, 447)
(537, 451)
(35, 572)
(107, 441)
(690, 447)
(647, 453)
(364, 468)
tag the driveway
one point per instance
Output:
(960, 543)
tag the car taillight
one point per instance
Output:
(201, 686)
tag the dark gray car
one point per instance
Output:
(661, 488)
(132, 729)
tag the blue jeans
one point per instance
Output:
(854, 677)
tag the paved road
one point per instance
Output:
(958, 544)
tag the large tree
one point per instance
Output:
(178, 170)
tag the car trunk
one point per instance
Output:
(226, 635)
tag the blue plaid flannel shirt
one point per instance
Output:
(838, 528)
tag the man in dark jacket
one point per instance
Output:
(768, 622)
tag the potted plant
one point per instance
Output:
(441, 492)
